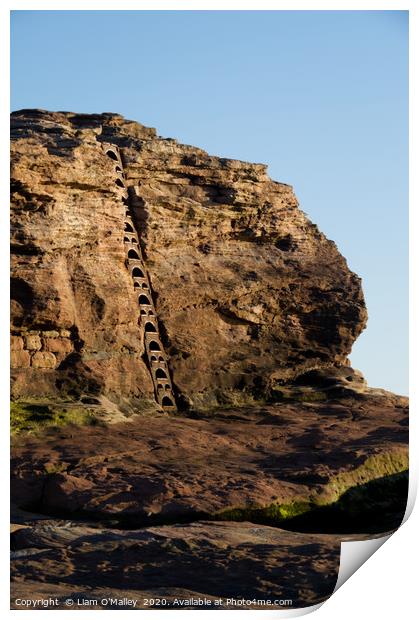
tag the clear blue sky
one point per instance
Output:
(321, 97)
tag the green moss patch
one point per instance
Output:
(284, 394)
(32, 417)
(375, 507)
(370, 498)
(373, 468)
(269, 515)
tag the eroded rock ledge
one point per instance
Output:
(249, 294)
(273, 461)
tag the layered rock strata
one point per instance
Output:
(247, 293)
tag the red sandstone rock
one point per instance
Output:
(171, 467)
(247, 291)
(64, 490)
(20, 359)
(33, 342)
(58, 345)
(204, 559)
(44, 359)
(16, 343)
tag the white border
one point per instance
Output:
(386, 586)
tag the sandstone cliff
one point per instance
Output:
(247, 293)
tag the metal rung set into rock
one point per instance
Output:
(156, 357)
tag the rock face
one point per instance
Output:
(248, 293)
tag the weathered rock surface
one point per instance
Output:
(203, 559)
(248, 292)
(272, 461)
